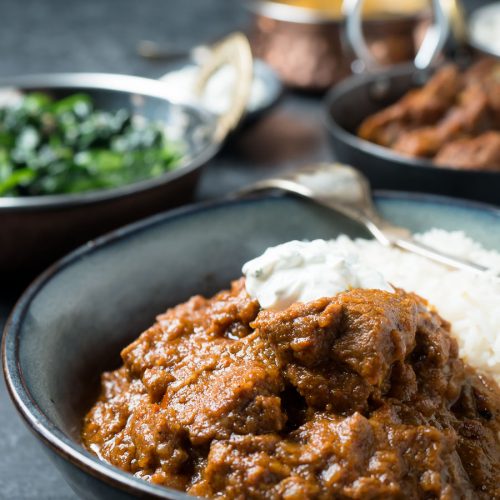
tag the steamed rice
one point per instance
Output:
(469, 301)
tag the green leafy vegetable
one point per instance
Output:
(68, 146)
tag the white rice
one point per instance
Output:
(469, 301)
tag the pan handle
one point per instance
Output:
(429, 50)
(233, 50)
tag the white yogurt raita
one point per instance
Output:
(301, 271)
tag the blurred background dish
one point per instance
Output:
(58, 223)
(483, 29)
(353, 100)
(431, 126)
(430, 45)
(180, 80)
(52, 146)
(303, 39)
(67, 217)
(452, 120)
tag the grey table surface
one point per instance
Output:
(101, 35)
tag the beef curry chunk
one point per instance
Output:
(422, 106)
(479, 153)
(454, 119)
(357, 396)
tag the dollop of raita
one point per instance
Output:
(301, 271)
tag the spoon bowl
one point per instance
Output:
(346, 190)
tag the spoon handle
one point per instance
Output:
(416, 247)
(382, 230)
(390, 235)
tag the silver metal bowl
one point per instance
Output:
(36, 230)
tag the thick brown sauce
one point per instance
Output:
(357, 396)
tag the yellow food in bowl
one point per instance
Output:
(371, 8)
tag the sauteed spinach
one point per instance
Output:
(52, 146)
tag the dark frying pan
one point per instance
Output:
(353, 100)
(350, 102)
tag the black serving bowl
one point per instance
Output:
(71, 323)
(356, 98)
(34, 231)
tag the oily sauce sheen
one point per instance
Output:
(361, 395)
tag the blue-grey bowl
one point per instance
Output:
(71, 323)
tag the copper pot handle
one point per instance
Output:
(429, 50)
(235, 51)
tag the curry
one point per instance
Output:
(360, 395)
(454, 119)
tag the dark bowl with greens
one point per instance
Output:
(81, 154)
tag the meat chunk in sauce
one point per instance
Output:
(361, 395)
(454, 118)
(479, 153)
(418, 107)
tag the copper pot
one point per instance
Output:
(308, 50)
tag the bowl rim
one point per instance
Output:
(339, 92)
(41, 426)
(116, 82)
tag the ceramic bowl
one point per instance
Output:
(71, 323)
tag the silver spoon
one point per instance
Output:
(347, 191)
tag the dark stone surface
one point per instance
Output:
(101, 35)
